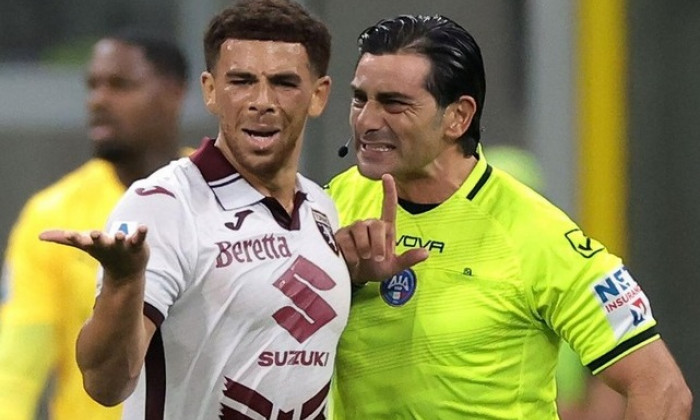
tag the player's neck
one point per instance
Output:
(278, 181)
(282, 189)
(437, 183)
(280, 185)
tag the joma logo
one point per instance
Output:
(417, 242)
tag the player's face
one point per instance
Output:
(396, 122)
(262, 92)
(129, 104)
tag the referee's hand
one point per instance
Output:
(369, 245)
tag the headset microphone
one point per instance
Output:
(343, 150)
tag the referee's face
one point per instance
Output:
(397, 124)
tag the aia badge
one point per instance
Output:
(582, 244)
(324, 226)
(398, 289)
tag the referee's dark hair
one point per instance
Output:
(457, 67)
(163, 53)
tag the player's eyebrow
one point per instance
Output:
(240, 74)
(285, 77)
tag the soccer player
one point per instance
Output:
(136, 86)
(464, 279)
(237, 300)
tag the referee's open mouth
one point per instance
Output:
(378, 147)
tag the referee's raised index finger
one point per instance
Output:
(390, 200)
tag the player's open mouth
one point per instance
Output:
(263, 137)
(256, 133)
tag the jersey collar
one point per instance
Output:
(477, 177)
(232, 191)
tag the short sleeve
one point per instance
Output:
(162, 207)
(588, 297)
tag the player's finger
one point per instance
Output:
(390, 199)
(119, 237)
(59, 236)
(102, 240)
(139, 237)
(52, 235)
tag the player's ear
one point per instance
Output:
(208, 94)
(458, 116)
(319, 97)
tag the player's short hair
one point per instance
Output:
(165, 55)
(269, 20)
(457, 67)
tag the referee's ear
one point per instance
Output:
(458, 117)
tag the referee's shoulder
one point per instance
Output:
(350, 182)
(526, 214)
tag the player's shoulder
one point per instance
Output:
(163, 201)
(175, 177)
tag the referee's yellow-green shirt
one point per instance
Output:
(473, 332)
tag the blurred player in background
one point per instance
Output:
(465, 280)
(136, 86)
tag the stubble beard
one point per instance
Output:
(265, 165)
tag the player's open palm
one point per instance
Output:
(369, 245)
(122, 257)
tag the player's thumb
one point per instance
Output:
(412, 257)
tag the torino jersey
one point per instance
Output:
(473, 331)
(249, 301)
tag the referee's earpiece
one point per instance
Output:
(343, 150)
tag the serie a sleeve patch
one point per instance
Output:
(126, 227)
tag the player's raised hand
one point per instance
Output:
(122, 257)
(369, 245)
